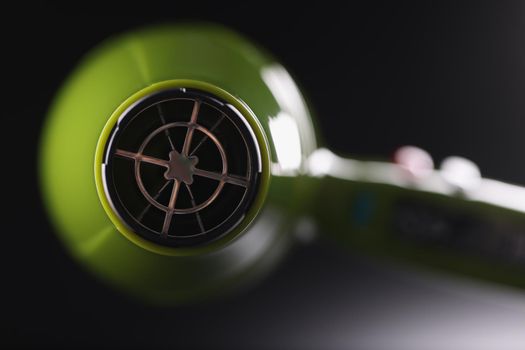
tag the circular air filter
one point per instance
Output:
(181, 167)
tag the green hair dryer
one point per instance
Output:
(176, 159)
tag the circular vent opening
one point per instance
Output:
(181, 167)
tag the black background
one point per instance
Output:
(446, 76)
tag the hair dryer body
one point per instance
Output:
(148, 117)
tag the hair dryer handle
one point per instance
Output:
(463, 224)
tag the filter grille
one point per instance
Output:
(181, 167)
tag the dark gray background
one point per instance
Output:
(447, 76)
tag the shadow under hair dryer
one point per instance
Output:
(176, 161)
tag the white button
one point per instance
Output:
(461, 173)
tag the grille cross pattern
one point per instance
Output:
(182, 165)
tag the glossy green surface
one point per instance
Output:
(107, 77)
(370, 229)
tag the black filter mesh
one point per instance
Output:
(181, 167)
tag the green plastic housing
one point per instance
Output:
(127, 66)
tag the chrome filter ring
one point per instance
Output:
(181, 167)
